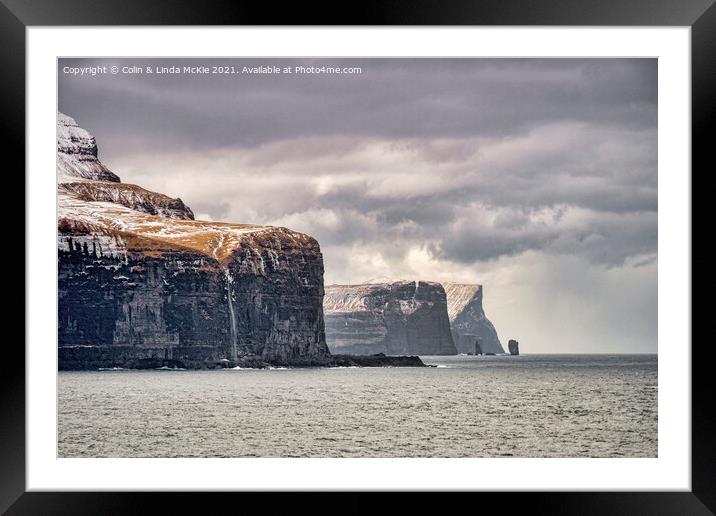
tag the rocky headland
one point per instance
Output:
(142, 284)
(394, 318)
(468, 321)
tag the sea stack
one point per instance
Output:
(468, 319)
(514, 347)
(394, 317)
(141, 281)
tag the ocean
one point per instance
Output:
(486, 406)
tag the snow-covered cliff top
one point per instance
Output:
(347, 298)
(131, 196)
(79, 172)
(459, 295)
(72, 139)
(92, 201)
(77, 154)
(216, 240)
(354, 298)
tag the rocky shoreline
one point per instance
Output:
(378, 360)
(93, 358)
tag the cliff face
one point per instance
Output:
(468, 320)
(399, 318)
(140, 279)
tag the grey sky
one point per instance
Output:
(537, 178)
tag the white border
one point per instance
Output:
(671, 470)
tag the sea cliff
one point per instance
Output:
(141, 281)
(395, 318)
(468, 320)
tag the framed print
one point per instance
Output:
(435, 250)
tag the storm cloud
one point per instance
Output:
(532, 176)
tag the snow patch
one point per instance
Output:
(459, 295)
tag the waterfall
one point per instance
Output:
(232, 315)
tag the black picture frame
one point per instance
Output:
(700, 15)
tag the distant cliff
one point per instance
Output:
(140, 280)
(468, 320)
(396, 318)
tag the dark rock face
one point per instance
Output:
(176, 304)
(377, 360)
(467, 317)
(176, 300)
(399, 318)
(514, 347)
(139, 288)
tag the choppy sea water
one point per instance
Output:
(525, 406)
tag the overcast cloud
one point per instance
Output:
(537, 178)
